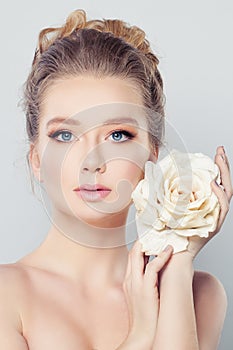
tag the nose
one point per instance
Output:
(94, 162)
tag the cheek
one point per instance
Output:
(53, 169)
(134, 172)
(128, 159)
(125, 171)
(61, 164)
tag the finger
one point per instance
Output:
(146, 260)
(137, 261)
(220, 151)
(225, 175)
(222, 216)
(223, 201)
(154, 266)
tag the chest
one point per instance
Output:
(57, 316)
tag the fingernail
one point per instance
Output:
(168, 247)
(223, 149)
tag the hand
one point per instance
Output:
(224, 195)
(141, 291)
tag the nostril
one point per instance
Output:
(99, 169)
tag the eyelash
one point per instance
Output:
(126, 133)
(57, 133)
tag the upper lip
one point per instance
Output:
(89, 187)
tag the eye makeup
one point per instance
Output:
(64, 135)
(128, 135)
(70, 135)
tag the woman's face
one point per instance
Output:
(92, 132)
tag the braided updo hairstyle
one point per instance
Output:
(101, 48)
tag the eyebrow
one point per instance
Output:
(71, 121)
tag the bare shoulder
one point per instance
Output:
(210, 302)
(11, 296)
(12, 278)
(11, 275)
(207, 287)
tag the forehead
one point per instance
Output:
(91, 102)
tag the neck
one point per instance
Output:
(105, 232)
(94, 256)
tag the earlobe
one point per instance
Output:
(154, 155)
(34, 161)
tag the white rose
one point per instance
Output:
(175, 201)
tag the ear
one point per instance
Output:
(154, 154)
(34, 160)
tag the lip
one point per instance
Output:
(92, 193)
(94, 187)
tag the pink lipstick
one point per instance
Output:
(92, 193)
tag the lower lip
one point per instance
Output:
(93, 196)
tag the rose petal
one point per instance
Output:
(175, 200)
(153, 244)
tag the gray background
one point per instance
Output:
(194, 43)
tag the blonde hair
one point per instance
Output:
(103, 48)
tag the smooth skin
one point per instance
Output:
(68, 296)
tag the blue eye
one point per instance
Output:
(63, 136)
(121, 135)
(66, 136)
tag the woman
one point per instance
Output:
(95, 111)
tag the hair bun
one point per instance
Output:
(76, 20)
(104, 48)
